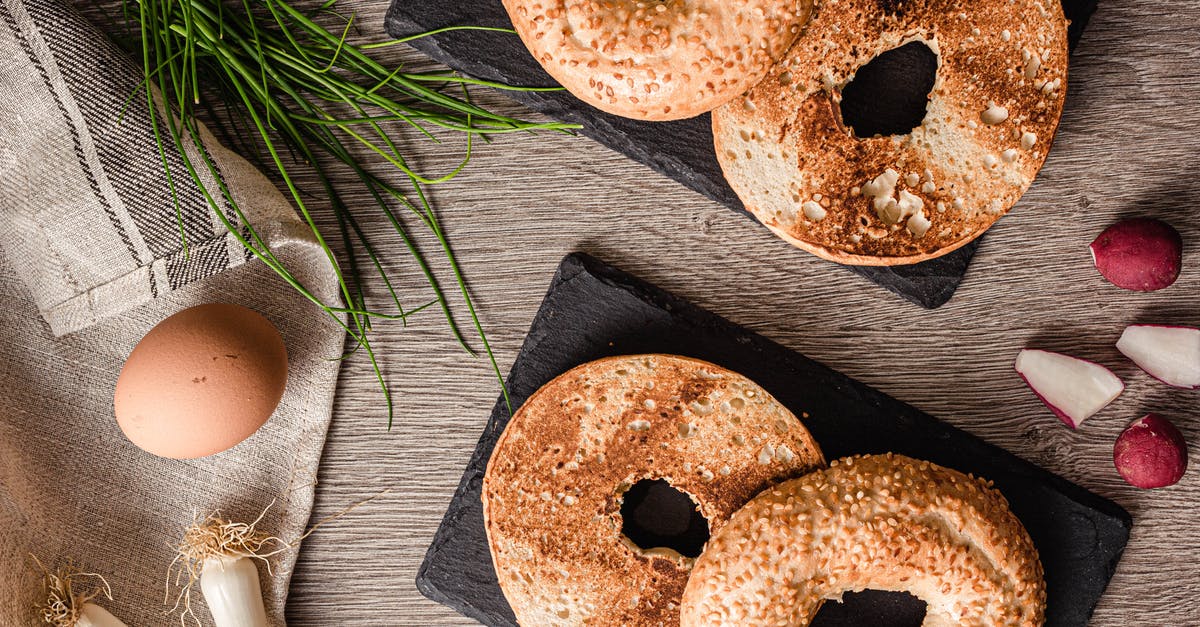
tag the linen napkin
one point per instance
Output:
(92, 259)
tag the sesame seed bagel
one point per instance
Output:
(554, 486)
(989, 122)
(657, 59)
(883, 522)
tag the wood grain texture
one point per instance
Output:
(1125, 147)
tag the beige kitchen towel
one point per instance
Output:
(92, 259)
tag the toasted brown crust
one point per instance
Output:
(884, 522)
(657, 60)
(991, 117)
(553, 487)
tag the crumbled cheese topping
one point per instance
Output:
(994, 114)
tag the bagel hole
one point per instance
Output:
(890, 94)
(656, 515)
(872, 607)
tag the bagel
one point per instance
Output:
(553, 489)
(657, 59)
(884, 522)
(990, 119)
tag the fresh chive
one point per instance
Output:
(303, 92)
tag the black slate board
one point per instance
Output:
(593, 310)
(682, 150)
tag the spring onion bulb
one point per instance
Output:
(221, 555)
(95, 616)
(231, 589)
(66, 606)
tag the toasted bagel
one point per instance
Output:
(990, 119)
(658, 60)
(554, 486)
(883, 522)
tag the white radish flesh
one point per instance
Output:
(232, 592)
(1169, 354)
(93, 615)
(1074, 389)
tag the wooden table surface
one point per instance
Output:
(1126, 147)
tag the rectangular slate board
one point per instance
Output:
(593, 310)
(682, 150)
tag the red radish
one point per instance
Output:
(1150, 453)
(1074, 389)
(1140, 254)
(1168, 353)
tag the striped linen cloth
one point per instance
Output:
(92, 259)
(82, 183)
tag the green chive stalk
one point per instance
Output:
(309, 96)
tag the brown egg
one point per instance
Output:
(201, 381)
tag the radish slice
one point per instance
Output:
(1169, 354)
(1074, 389)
